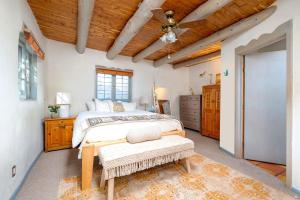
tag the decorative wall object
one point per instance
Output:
(192, 91)
(226, 73)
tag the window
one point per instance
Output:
(113, 85)
(27, 70)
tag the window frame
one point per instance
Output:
(113, 85)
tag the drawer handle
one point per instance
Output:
(62, 126)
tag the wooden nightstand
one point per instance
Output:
(58, 133)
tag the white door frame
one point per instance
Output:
(284, 31)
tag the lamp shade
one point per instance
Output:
(63, 98)
(161, 93)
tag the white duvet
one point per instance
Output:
(115, 131)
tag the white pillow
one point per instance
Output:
(91, 106)
(129, 106)
(110, 105)
(102, 106)
(144, 133)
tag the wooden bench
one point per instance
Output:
(90, 150)
(125, 158)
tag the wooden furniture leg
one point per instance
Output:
(87, 166)
(102, 181)
(110, 190)
(187, 165)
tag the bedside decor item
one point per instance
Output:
(163, 100)
(161, 93)
(53, 109)
(64, 100)
(155, 103)
(166, 108)
(144, 102)
(58, 133)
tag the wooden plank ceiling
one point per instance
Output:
(58, 21)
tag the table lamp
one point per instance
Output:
(63, 99)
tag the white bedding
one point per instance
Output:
(115, 131)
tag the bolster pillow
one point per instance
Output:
(142, 134)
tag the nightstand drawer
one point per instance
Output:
(61, 122)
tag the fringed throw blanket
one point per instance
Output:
(92, 122)
(124, 159)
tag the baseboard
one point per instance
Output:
(231, 154)
(296, 191)
(14, 195)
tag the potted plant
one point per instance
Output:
(53, 110)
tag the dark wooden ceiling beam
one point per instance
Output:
(199, 60)
(133, 26)
(230, 31)
(199, 13)
(85, 12)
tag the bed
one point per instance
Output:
(93, 130)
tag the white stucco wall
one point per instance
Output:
(196, 82)
(20, 121)
(287, 10)
(68, 71)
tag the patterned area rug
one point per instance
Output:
(209, 180)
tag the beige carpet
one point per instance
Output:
(209, 180)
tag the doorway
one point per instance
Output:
(265, 108)
(244, 56)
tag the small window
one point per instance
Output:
(27, 71)
(113, 85)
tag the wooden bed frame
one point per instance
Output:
(89, 150)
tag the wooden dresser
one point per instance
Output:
(211, 111)
(190, 111)
(58, 133)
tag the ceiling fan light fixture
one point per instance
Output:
(169, 37)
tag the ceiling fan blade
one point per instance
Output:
(177, 32)
(160, 15)
(192, 24)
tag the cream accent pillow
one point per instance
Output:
(142, 134)
(102, 106)
(110, 105)
(118, 107)
(129, 106)
(91, 106)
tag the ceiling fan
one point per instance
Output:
(169, 25)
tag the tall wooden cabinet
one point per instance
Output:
(190, 111)
(58, 133)
(211, 111)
